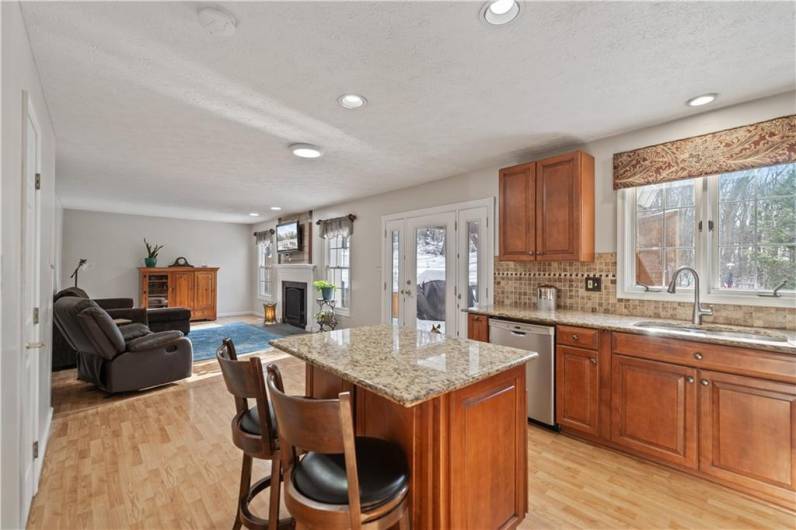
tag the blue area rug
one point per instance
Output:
(248, 338)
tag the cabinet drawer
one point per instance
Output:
(731, 359)
(580, 337)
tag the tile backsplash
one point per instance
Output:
(516, 283)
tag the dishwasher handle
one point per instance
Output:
(518, 333)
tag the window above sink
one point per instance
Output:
(738, 230)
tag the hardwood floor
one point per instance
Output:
(164, 459)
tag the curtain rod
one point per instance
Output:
(351, 217)
(270, 230)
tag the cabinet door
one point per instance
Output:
(558, 207)
(181, 292)
(517, 217)
(577, 389)
(748, 434)
(205, 295)
(654, 409)
(478, 327)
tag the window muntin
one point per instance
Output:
(755, 239)
(338, 269)
(265, 263)
(664, 228)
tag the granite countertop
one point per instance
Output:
(627, 323)
(401, 364)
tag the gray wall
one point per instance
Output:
(366, 241)
(114, 247)
(18, 74)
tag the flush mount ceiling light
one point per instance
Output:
(352, 101)
(254, 214)
(276, 208)
(704, 99)
(306, 150)
(217, 22)
(499, 12)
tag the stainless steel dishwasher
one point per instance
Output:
(540, 373)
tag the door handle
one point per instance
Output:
(593, 360)
(34, 345)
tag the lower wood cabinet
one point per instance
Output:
(654, 409)
(748, 434)
(193, 288)
(577, 389)
(478, 327)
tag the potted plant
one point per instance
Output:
(326, 288)
(151, 260)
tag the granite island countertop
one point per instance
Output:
(627, 323)
(404, 365)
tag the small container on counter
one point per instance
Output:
(546, 297)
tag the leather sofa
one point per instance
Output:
(172, 318)
(120, 359)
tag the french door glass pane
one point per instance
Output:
(395, 297)
(473, 248)
(431, 277)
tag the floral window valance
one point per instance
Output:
(761, 144)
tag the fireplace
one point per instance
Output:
(294, 304)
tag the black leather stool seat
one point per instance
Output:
(250, 422)
(382, 473)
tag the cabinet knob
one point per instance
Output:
(704, 382)
(593, 360)
(697, 356)
(575, 338)
(690, 379)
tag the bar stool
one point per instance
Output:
(341, 482)
(254, 432)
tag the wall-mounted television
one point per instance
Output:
(288, 237)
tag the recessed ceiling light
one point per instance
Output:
(254, 214)
(217, 22)
(704, 99)
(306, 150)
(276, 208)
(351, 101)
(500, 12)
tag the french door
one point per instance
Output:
(435, 265)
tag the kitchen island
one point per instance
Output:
(457, 408)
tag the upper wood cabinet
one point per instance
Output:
(547, 209)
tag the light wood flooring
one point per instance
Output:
(164, 459)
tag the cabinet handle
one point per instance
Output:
(704, 382)
(593, 360)
(575, 338)
(690, 379)
(697, 356)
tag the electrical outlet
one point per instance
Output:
(594, 283)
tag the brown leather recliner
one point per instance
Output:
(118, 361)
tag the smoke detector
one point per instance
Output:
(217, 22)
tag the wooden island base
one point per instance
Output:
(466, 449)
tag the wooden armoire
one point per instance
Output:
(191, 287)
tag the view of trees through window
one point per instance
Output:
(751, 220)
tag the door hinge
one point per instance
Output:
(38, 181)
(35, 315)
(36, 449)
(385, 233)
(710, 226)
(455, 225)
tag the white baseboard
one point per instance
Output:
(44, 438)
(237, 314)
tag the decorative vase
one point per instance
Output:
(327, 292)
(150, 262)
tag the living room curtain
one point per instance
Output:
(339, 226)
(760, 144)
(262, 237)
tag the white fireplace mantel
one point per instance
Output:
(296, 272)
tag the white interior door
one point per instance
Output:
(430, 272)
(31, 332)
(394, 261)
(473, 262)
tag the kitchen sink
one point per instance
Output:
(713, 331)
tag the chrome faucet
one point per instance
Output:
(699, 309)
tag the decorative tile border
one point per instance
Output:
(516, 284)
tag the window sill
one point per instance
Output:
(785, 301)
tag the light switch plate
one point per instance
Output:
(594, 284)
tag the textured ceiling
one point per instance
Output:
(153, 115)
